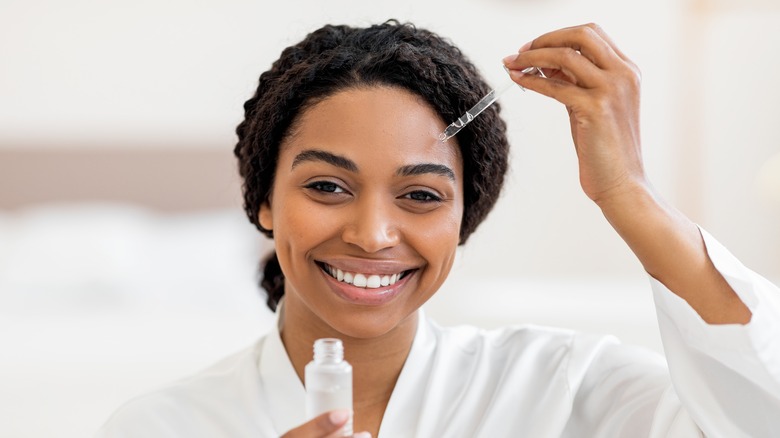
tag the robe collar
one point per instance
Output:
(286, 395)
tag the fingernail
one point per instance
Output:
(510, 58)
(525, 46)
(362, 435)
(516, 74)
(339, 416)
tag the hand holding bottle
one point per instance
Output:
(328, 394)
(327, 425)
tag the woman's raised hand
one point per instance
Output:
(327, 425)
(600, 88)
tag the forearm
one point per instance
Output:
(671, 249)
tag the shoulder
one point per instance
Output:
(209, 400)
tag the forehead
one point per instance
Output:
(373, 123)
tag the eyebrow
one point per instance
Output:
(347, 164)
(424, 168)
(318, 155)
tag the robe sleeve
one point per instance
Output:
(726, 378)
(722, 380)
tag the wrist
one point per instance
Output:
(630, 198)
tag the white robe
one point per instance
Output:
(525, 381)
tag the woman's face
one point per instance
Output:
(365, 210)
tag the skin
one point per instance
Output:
(600, 88)
(350, 191)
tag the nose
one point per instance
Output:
(372, 225)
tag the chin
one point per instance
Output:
(370, 323)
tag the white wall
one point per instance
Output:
(739, 133)
(101, 71)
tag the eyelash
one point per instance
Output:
(416, 195)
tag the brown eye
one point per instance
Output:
(325, 186)
(422, 196)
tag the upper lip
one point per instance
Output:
(379, 267)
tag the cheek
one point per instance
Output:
(442, 232)
(438, 237)
(303, 224)
(298, 230)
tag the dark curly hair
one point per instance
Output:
(336, 58)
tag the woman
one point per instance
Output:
(342, 166)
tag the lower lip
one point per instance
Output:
(365, 296)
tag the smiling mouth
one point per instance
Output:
(368, 281)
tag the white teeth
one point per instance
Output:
(370, 281)
(373, 282)
(360, 280)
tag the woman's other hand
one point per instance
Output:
(327, 425)
(600, 88)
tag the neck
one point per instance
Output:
(376, 361)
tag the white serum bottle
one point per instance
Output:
(328, 381)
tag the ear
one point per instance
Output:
(264, 217)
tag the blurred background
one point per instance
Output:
(125, 258)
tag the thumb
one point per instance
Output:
(321, 426)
